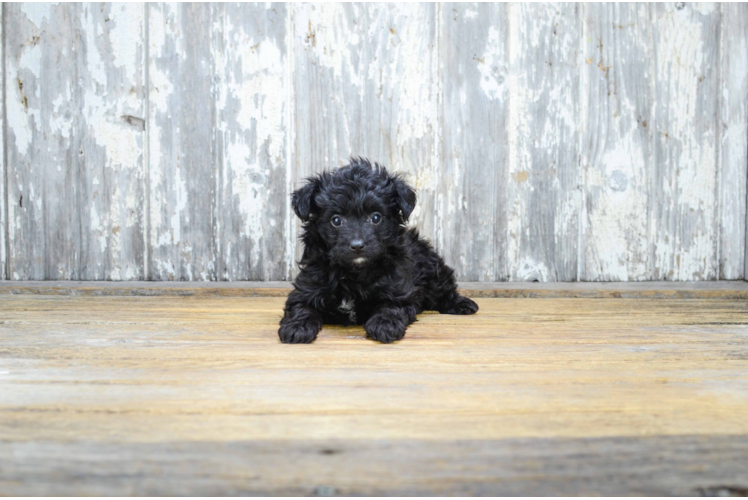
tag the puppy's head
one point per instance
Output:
(356, 214)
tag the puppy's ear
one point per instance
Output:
(302, 199)
(405, 197)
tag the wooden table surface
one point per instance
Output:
(124, 395)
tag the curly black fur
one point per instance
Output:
(361, 264)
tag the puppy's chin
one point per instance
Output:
(355, 262)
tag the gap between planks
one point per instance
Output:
(627, 290)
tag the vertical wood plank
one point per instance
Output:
(75, 140)
(3, 170)
(182, 176)
(543, 195)
(683, 207)
(733, 137)
(474, 69)
(365, 85)
(251, 89)
(111, 183)
(616, 142)
(42, 146)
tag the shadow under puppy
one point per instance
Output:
(361, 264)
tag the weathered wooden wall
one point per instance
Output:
(550, 142)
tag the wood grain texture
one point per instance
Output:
(684, 216)
(251, 87)
(111, 192)
(544, 194)
(474, 173)
(616, 143)
(219, 109)
(614, 391)
(365, 85)
(3, 163)
(182, 128)
(42, 141)
(213, 369)
(75, 140)
(548, 142)
(733, 145)
(642, 466)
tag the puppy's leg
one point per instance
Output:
(300, 323)
(454, 303)
(448, 301)
(437, 282)
(388, 324)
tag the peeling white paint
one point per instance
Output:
(685, 227)
(263, 83)
(166, 199)
(251, 200)
(94, 63)
(19, 116)
(615, 143)
(368, 77)
(161, 85)
(61, 122)
(416, 98)
(529, 270)
(31, 60)
(332, 38)
(543, 200)
(734, 142)
(489, 66)
(38, 12)
(97, 228)
(127, 27)
(253, 102)
(3, 215)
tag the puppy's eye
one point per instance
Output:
(376, 218)
(336, 221)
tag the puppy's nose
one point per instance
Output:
(357, 245)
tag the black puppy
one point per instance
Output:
(361, 265)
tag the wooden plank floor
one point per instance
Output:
(123, 395)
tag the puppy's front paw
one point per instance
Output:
(385, 329)
(296, 332)
(462, 305)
